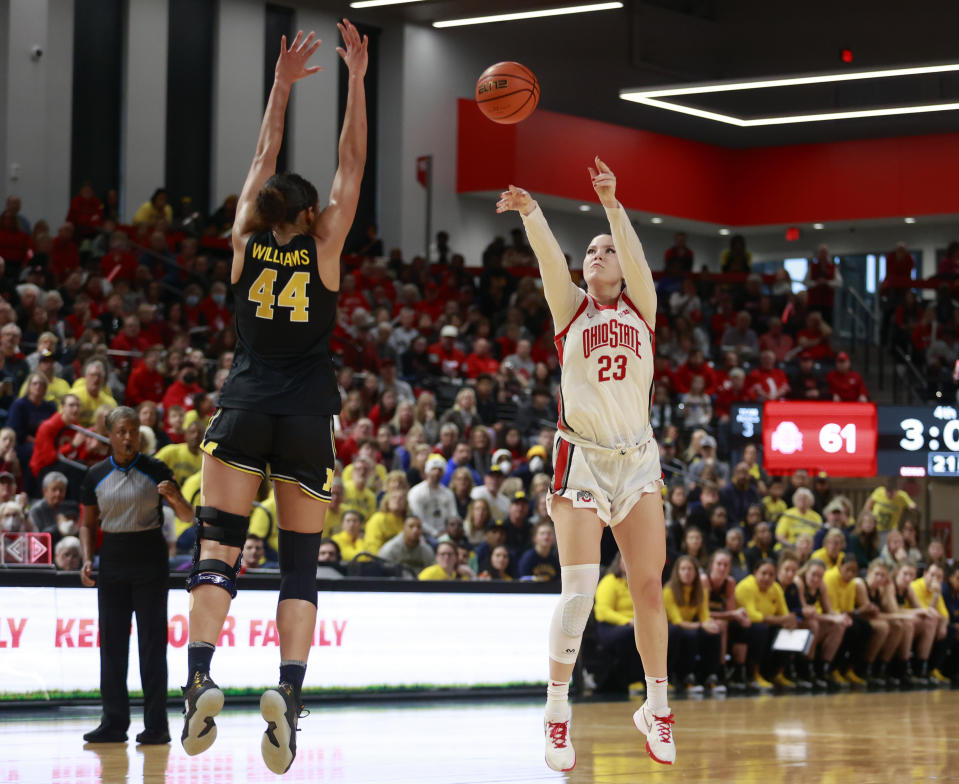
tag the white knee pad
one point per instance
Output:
(572, 611)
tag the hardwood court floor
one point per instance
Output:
(847, 738)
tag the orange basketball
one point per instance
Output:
(507, 92)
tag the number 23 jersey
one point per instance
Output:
(284, 320)
(606, 356)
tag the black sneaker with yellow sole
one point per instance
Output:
(202, 700)
(280, 710)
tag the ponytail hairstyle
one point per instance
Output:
(283, 197)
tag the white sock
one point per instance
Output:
(557, 701)
(656, 695)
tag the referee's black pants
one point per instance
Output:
(133, 579)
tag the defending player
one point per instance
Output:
(606, 461)
(278, 401)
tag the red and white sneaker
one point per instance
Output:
(560, 754)
(659, 734)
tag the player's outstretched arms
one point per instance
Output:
(562, 295)
(291, 66)
(639, 278)
(334, 222)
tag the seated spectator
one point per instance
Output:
(832, 552)
(867, 633)
(350, 538)
(894, 552)
(456, 533)
(408, 547)
(614, 612)
(493, 537)
(773, 504)
(445, 358)
(814, 339)
(56, 437)
(740, 338)
(518, 528)
(329, 563)
(541, 561)
(707, 458)
(736, 258)
(693, 634)
(696, 405)
(777, 341)
(68, 555)
(55, 514)
(129, 340)
(155, 210)
(936, 554)
(253, 554)
(461, 458)
(762, 546)
(359, 496)
(182, 390)
(696, 365)
(765, 603)
(386, 522)
(700, 511)
(461, 483)
(490, 491)
(803, 547)
(693, 546)
(735, 546)
(739, 494)
(734, 624)
(184, 459)
(822, 280)
(92, 392)
(498, 565)
(801, 518)
(845, 384)
(806, 383)
(910, 540)
(446, 566)
(767, 382)
(13, 519)
(864, 540)
(828, 626)
(28, 413)
(432, 503)
(719, 524)
(481, 360)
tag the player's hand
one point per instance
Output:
(604, 183)
(86, 574)
(353, 51)
(291, 64)
(515, 199)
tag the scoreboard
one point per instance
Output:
(851, 439)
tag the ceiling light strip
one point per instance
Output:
(574, 9)
(721, 87)
(377, 3)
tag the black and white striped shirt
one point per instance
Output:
(127, 495)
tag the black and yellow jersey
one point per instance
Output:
(284, 320)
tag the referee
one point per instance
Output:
(122, 495)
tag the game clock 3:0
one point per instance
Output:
(918, 440)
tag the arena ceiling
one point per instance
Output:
(583, 61)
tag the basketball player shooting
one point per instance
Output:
(606, 461)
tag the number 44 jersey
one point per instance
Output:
(606, 356)
(284, 320)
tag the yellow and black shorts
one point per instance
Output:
(297, 448)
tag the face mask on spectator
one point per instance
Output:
(189, 378)
(219, 299)
(192, 300)
(67, 526)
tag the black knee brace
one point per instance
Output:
(225, 528)
(298, 554)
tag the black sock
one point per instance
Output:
(293, 672)
(199, 655)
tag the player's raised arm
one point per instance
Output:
(334, 222)
(290, 67)
(562, 295)
(639, 278)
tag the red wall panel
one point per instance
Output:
(871, 178)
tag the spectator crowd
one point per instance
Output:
(449, 382)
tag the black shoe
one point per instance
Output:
(105, 734)
(280, 710)
(202, 701)
(153, 737)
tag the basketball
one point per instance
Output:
(507, 92)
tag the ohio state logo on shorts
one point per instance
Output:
(584, 496)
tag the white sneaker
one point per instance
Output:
(560, 754)
(659, 734)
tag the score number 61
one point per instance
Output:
(833, 437)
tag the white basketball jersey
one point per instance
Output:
(606, 356)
